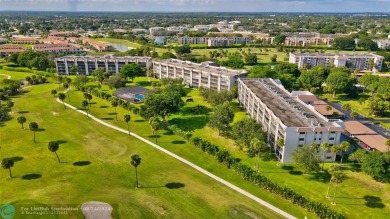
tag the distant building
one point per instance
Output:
(158, 31)
(57, 48)
(198, 75)
(26, 39)
(354, 61)
(214, 41)
(8, 49)
(87, 64)
(286, 117)
(383, 43)
(139, 31)
(3, 40)
(97, 45)
(159, 41)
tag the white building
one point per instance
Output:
(214, 41)
(57, 48)
(383, 43)
(198, 75)
(286, 117)
(87, 64)
(354, 61)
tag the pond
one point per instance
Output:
(120, 47)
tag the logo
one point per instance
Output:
(7, 211)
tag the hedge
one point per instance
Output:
(247, 173)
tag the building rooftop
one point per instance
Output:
(108, 56)
(339, 55)
(378, 142)
(358, 128)
(289, 109)
(202, 67)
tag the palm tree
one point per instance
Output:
(21, 120)
(66, 86)
(114, 104)
(60, 79)
(337, 178)
(62, 97)
(333, 168)
(85, 105)
(135, 161)
(354, 115)
(257, 146)
(89, 98)
(53, 92)
(155, 124)
(328, 108)
(7, 163)
(335, 149)
(33, 127)
(344, 146)
(53, 146)
(325, 146)
(68, 80)
(127, 119)
(346, 107)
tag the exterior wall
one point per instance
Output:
(88, 64)
(195, 77)
(275, 129)
(214, 41)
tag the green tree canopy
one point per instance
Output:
(132, 70)
(221, 118)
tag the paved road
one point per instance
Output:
(241, 191)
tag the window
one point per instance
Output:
(332, 132)
(301, 139)
(331, 145)
(328, 158)
(302, 133)
(319, 139)
(301, 145)
(331, 139)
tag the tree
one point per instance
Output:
(251, 59)
(185, 49)
(328, 108)
(168, 55)
(66, 87)
(374, 164)
(7, 163)
(88, 97)
(155, 125)
(279, 39)
(74, 69)
(62, 97)
(131, 71)
(335, 149)
(344, 43)
(358, 156)
(233, 61)
(53, 146)
(274, 58)
(245, 130)
(53, 92)
(114, 104)
(337, 177)
(127, 119)
(99, 74)
(344, 146)
(325, 146)
(257, 147)
(332, 170)
(262, 72)
(135, 161)
(354, 115)
(388, 145)
(306, 157)
(221, 118)
(33, 127)
(85, 105)
(21, 120)
(367, 44)
(311, 78)
(338, 82)
(346, 107)
(116, 81)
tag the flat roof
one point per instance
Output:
(108, 56)
(286, 107)
(338, 55)
(374, 141)
(358, 128)
(202, 67)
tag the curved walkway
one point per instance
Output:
(8, 76)
(205, 172)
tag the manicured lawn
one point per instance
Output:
(119, 41)
(357, 190)
(95, 167)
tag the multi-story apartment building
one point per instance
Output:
(383, 43)
(370, 62)
(158, 31)
(198, 75)
(97, 45)
(87, 64)
(3, 40)
(214, 41)
(8, 49)
(57, 48)
(283, 116)
(26, 39)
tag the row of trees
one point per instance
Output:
(375, 164)
(33, 59)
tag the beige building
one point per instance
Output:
(198, 75)
(286, 117)
(214, 41)
(57, 48)
(354, 61)
(8, 49)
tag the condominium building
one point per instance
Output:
(198, 75)
(370, 62)
(286, 117)
(87, 64)
(26, 39)
(214, 41)
(383, 43)
(97, 45)
(3, 40)
(8, 49)
(57, 48)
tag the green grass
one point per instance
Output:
(107, 176)
(119, 41)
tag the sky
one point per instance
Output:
(199, 5)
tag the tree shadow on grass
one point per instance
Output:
(40, 130)
(61, 141)
(16, 159)
(103, 107)
(190, 123)
(139, 120)
(23, 112)
(295, 172)
(144, 83)
(168, 133)
(373, 201)
(320, 176)
(178, 142)
(106, 118)
(111, 114)
(154, 136)
(354, 167)
(31, 176)
(287, 167)
(174, 185)
(81, 163)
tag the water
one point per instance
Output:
(120, 47)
